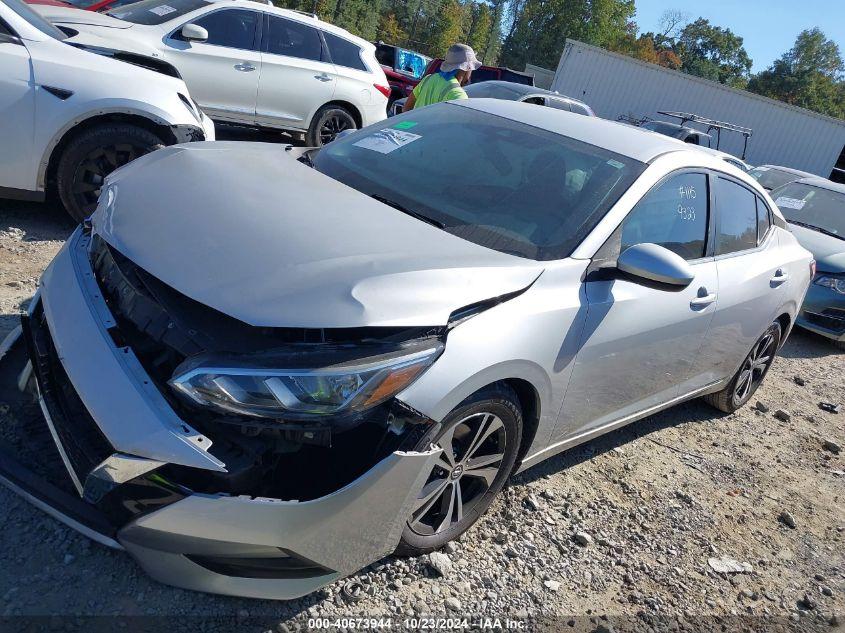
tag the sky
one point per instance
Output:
(768, 27)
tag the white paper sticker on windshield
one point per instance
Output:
(162, 9)
(790, 203)
(761, 169)
(387, 140)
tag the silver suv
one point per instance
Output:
(309, 359)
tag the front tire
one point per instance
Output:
(480, 440)
(751, 373)
(328, 122)
(91, 156)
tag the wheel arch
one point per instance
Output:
(53, 151)
(346, 105)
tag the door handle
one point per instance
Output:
(323, 77)
(245, 67)
(779, 277)
(703, 299)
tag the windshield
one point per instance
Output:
(34, 19)
(154, 12)
(771, 178)
(493, 90)
(813, 207)
(489, 180)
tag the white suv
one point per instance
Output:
(249, 63)
(69, 117)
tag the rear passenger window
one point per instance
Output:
(344, 52)
(737, 218)
(673, 215)
(763, 220)
(293, 39)
(232, 28)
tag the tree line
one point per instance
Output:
(515, 32)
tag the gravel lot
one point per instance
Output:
(622, 534)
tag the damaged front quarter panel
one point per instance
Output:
(189, 542)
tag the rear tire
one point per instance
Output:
(751, 373)
(327, 123)
(484, 433)
(91, 156)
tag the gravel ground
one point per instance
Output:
(626, 533)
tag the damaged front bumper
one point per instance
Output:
(110, 436)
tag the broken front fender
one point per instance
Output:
(268, 548)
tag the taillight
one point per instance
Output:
(813, 269)
(385, 90)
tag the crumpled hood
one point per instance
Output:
(828, 251)
(252, 232)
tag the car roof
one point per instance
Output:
(822, 183)
(641, 145)
(298, 16)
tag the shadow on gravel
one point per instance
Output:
(37, 220)
(694, 411)
(806, 344)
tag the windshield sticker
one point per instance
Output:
(405, 125)
(615, 163)
(386, 141)
(162, 10)
(761, 169)
(790, 203)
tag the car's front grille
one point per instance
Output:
(77, 433)
(831, 322)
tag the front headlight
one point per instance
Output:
(837, 284)
(301, 393)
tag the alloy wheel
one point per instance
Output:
(333, 126)
(473, 450)
(92, 171)
(754, 367)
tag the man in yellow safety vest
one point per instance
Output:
(447, 82)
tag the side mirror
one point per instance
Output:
(6, 38)
(194, 33)
(655, 263)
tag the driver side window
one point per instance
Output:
(231, 28)
(674, 215)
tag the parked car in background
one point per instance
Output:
(69, 117)
(684, 133)
(488, 73)
(372, 346)
(774, 176)
(728, 158)
(510, 91)
(403, 68)
(249, 63)
(815, 210)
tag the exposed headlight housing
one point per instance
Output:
(837, 284)
(301, 392)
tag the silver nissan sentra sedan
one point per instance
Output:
(263, 368)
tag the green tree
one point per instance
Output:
(539, 30)
(713, 53)
(389, 29)
(809, 75)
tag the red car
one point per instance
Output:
(88, 5)
(403, 68)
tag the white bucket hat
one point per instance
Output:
(460, 57)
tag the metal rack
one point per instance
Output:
(712, 124)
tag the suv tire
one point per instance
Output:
(327, 123)
(91, 156)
